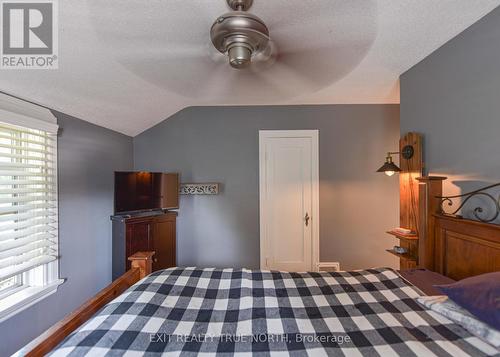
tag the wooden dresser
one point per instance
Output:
(144, 232)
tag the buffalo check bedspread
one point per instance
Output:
(190, 311)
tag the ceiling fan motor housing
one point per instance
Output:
(240, 35)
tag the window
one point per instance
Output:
(28, 215)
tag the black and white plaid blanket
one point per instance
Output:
(189, 311)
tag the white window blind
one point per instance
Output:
(28, 200)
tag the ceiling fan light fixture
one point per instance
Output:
(240, 56)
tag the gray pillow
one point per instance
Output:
(447, 308)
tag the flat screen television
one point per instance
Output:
(141, 191)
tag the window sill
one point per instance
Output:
(25, 298)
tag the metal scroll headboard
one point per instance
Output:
(480, 212)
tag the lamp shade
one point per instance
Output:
(389, 168)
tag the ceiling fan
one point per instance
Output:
(239, 34)
(302, 47)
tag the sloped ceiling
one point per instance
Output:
(129, 64)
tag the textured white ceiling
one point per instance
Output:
(129, 64)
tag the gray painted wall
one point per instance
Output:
(453, 98)
(220, 144)
(88, 155)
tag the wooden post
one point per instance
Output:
(42, 345)
(408, 193)
(429, 188)
(143, 261)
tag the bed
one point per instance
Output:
(213, 311)
(192, 311)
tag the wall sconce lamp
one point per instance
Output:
(389, 167)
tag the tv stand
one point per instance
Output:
(144, 231)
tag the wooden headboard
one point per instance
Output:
(449, 244)
(466, 248)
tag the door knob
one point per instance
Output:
(307, 218)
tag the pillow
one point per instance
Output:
(447, 308)
(480, 295)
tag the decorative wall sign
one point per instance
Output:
(199, 189)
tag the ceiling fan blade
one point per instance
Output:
(322, 18)
(274, 85)
(289, 79)
(163, 52)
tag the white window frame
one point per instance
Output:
(43, 281)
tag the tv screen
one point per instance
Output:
(137, 191)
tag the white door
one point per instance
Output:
(289, 196)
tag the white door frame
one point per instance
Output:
(314, 135)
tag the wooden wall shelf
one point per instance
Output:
(406, 257)
(412, 237)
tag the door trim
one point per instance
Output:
(314, 135)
